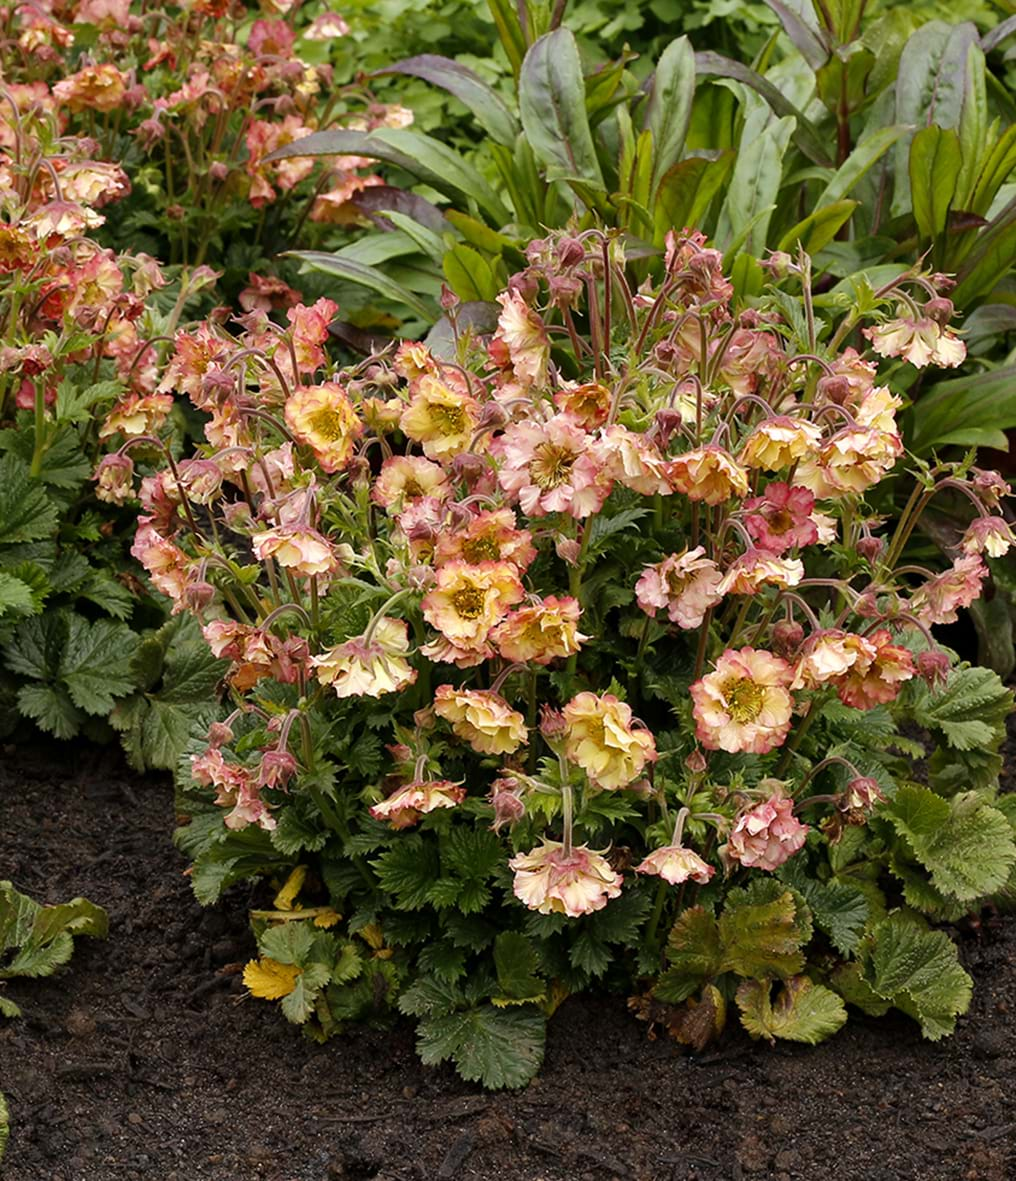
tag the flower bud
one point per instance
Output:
(552, 723)
(218, 170)
(933, 666)
(525, 284)
(833, 388)
(861, 795)
(219, 734)
(114, 479)
(468, 467)
(492, 416)
(449, 300)
(779, 264)
(277, 768)
(695, 763)
(871, 548)
(509, 807)
(940, 310)
(788, 636)
(667, 423)
(567, 549)
(198, 595)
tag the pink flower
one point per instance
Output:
(744, 705)
(781, 519)
(988, 535)
(114, 479)
(297, 548)
(767, 835)
(633, 461)
(829, 655)
(166, 563)
(878, 681)
(959, 586)
(369, 665)
(551, 467)
(522, 335)
(408, 804)
(676, 864)
(600, 738)
(756, 568)
(481, 718)
(921, 342)
(554, 882)
(270, 37)
(709, 474)
(686, 584)
(541, 631)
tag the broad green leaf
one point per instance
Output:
(26, 512)
(95, 663)
(870, 148)
(41, 938)
(966, 846)
(694, 953)
(51, 709)
(16, 597)
(935, 162)
(552, 104)
(851, 985)
(930, 88)
(485, 104)
(803, 132)
(429, 242)
(408, 871)
(469, 274)
(365, 276)
(973, 410)
(807, 35)
(755, 183)
(818, 228)
(991, 258)
(299, 1004)
(973, 125)
(839, 908)
(428, 996)
(918, 971)
(763, 930)
(969, 711)
(495, 1047)
(686, 191)
(668, 112)
(509, 30)
(995, 168)
(803, 1011)
(516, 963)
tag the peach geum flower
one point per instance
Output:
(959, 586)
(487, 537)
(781, 518)
(442, 418)
(599, 737)
(467, 601)
(323, 418)
(482, 718)
(408, 804)
(552, 881)
(404, 478)
(368, 665)
(778, 443)
(541, 632)
(919, 341)
(522, 335)
(551, 467)
(709, 474)
(744, 705)
(296, 548)
(879, 680)
(767, 835)
(685, 584)
(676, 864)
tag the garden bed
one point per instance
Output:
(143, 1059)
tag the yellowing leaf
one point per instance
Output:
(326, 917)
(372, 934)
(294, 884)
(268, 979)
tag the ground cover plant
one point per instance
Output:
(595, 640)
(581, 654)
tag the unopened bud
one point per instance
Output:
(449, 300)
(509, 807)
(219, 734)
(933, 666)
(277, 768)
(833, 388)
(218, 171)
(469, 467)
(695, 763)
(778, 264)
(788, 636)
(870, 548)
(492, 416)
(570, 252)
(667, 423)
(198, 595)
(941, 310)
(552, 723)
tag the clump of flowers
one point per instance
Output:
(564, 646)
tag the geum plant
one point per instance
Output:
(581, 656)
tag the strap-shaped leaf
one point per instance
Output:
(935, 163)
(365, 276)
(490, 109)
(552, 103)
(668, 113)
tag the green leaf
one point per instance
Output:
(763, 929)
(694, 953)
(288, 943)
(990, 259)
(41, 938)
(755, 184)
(428, 996)
(851, 985)
(668, 112)
(870, 148)
(364, 276)
(935, 162)
(918, 971)
(552, 104)
(485, 104)
(969, 711)
(469, 274)
(970, 411)
(16, 597)
(26, 512)
(51, 709)
(803, 1012)
(516, 963)
(495, 1047)
(5, 1119)
(819, 228)
(966, 846)
(95, 664)
(408, 871)
(299, 1004)
(840, 908)
(686, 191)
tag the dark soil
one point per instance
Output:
(142, 1059)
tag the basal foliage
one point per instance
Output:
(580, 654)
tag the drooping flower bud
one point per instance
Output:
(870, 548)
(933, 666)
(788, 636)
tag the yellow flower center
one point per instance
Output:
(449, 420)
(411, 489)
(481, 549)
(551, 465)
(744, 699)
(328, 423)
(468, 601)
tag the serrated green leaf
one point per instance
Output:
(16, 597)
(851, 985)
(408, 870)
(763, 929)
(516, 963)
(95, 664)
(840, 908)
(803, 1011)
(51, 709)
(288, 943)
(299, 1004)
(918, 971)
(495, 1047)
(5, 1119)
(26, 512)
(429, 997)
(39, 939)
(966, 846)
(969, 711)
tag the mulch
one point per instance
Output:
(142, 1059)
